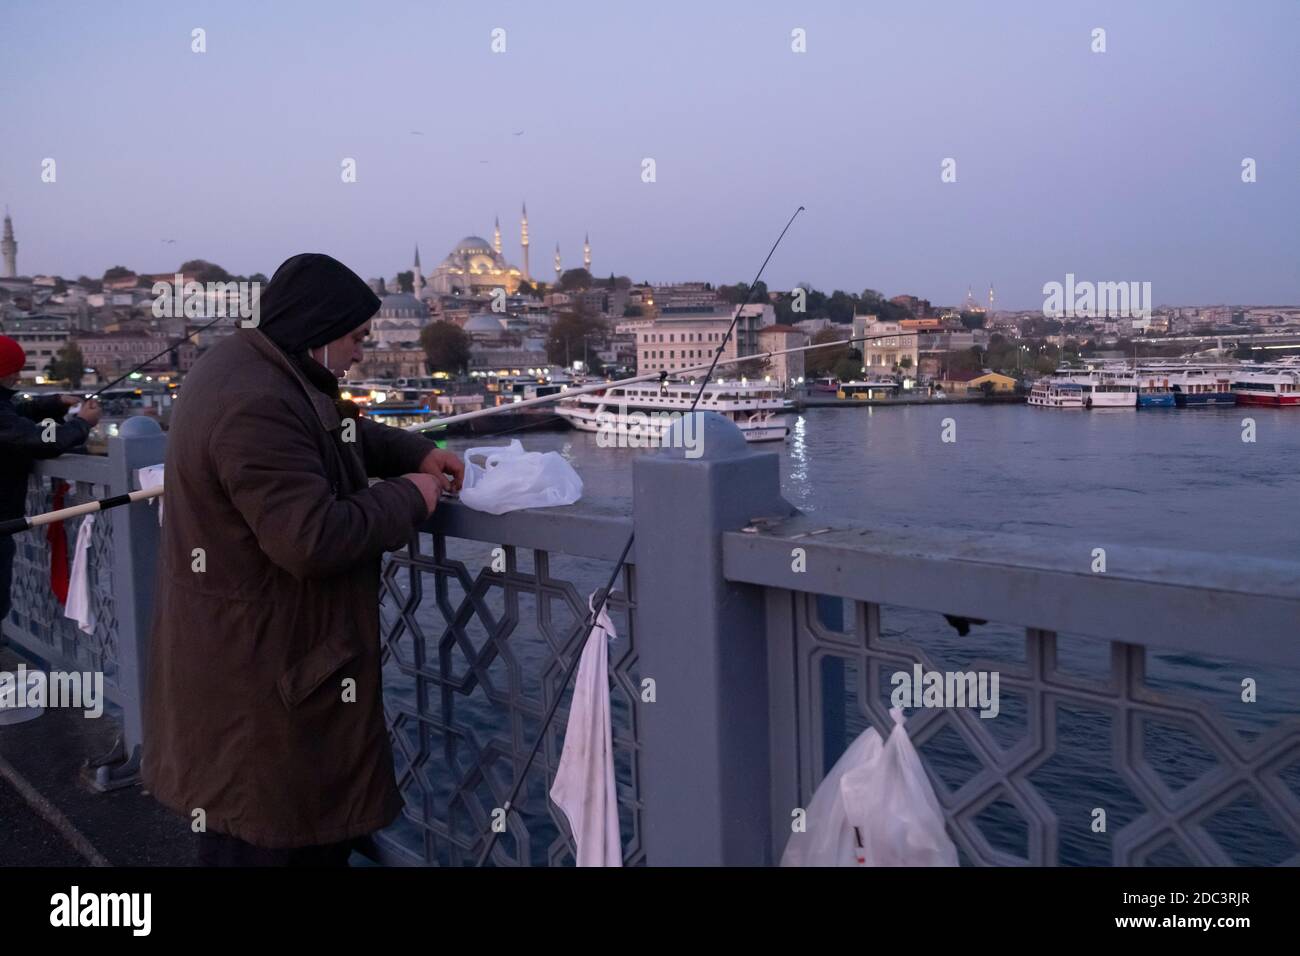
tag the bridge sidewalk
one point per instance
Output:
(52, 818)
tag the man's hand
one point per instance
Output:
(89, 411)
(428, 486)
(440, 464)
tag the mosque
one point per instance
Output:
(476, 266)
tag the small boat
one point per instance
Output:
(646, 410)
(1056, 393)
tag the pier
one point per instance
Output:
(753, 643)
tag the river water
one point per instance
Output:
(1176, 479)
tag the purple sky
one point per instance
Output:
(1123, 165)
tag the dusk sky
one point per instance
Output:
(1122, 165)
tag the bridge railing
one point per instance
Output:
(1145, 709)
(120, 563)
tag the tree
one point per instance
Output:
(752, 368)
(406, 281)
(821, 362)
(68, 365)
(116, 272)
(847, 369)
(571, 338)
(201, 270)
(574, 280)
(972, 320)
(89, 284)
(739, 293)
(446, 345)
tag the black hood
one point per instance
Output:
(311, 300)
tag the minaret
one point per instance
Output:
(10, 248)
(496, 235)
(990, 298)
(586, 252)
(417, 281)
(523, 240)
(557, 263)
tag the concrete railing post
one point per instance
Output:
(139, 442)
(705, 785)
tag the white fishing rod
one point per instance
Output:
(19, 525)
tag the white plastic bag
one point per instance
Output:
(875, 808)
(510, 479)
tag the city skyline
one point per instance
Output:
(1123, 165)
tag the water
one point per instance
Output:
(1173, 479)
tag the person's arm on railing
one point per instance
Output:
(389, 452)
(19, 432)
(270, 468)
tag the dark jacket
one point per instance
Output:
(245, 712)
(21, 443)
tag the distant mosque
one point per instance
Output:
(476, 267)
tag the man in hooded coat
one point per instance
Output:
(263, 714)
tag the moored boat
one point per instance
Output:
(646, 410)
(1056, 393)
(1277, 385)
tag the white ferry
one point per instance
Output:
(1277, 385)
(644, 409)
(1102, 387)
(1056, 393)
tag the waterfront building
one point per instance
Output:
(888, 345)
(681, 340)
(42, 337)
(784, 369)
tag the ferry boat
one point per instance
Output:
(1153, 389)
(644, 409)
(1277, 385)
(1200, 386)
(1103, 388)
(1055, 393)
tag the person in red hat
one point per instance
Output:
(24, 438)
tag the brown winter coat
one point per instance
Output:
(245, 714)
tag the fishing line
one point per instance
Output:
(585, 628)
(177, 344)
(15, 525)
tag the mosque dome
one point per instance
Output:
(483, 323)
(473, 245)
(401, 305)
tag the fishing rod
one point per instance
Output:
(153, 358)
(603, 595)
(18, 525)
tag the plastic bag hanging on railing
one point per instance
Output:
(510, 479)
(876, 807)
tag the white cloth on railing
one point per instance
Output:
(78, 607)
(148, 477)
(584, 780)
